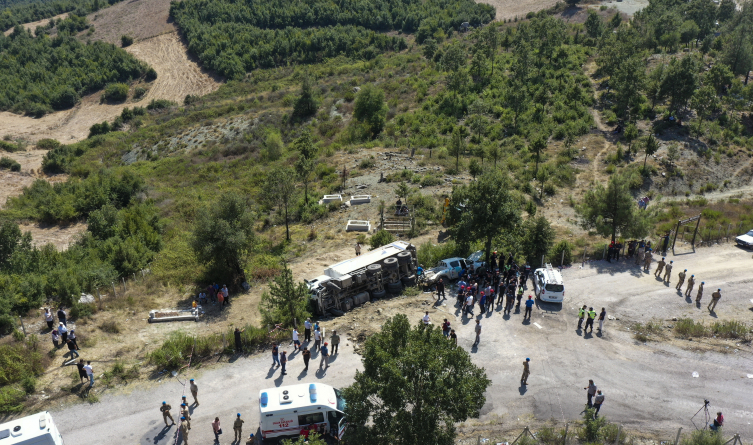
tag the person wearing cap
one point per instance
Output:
(307, 330)
(194, 392)
(659, 267)
(699, 295)
(165, 409)
(238, 427)
(689, 289)
(185, 414)
(526, 372)
(185, 425)
(529, 307)
(325, 356)
(668, 271)
(715, 297)
(251, 440)
(681, 278)
(647, 260)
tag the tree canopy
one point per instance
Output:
(612, 211)
(415, 384)
(286, 303)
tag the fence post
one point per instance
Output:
(542, 260)
(562, 260)
(564, 439)
(114, 294)
(584, 257)
(677, 439)
(99, 297)
(22, 324)
(125, 289)
(619, 430)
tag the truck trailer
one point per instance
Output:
(37, 429)
(376, 273)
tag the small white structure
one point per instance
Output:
(162, 315)
(355, 225)
(331, 198)
(37, 429)
(360, 199)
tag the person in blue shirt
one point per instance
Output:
(529, 307)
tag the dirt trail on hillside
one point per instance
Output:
(33, 25)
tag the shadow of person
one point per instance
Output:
(688, 299)
(320, 373)
(526, 321)
(588, 334)
(474, 348)
(713, 314)
(161, 435)
(271, 372)
(523, 388)
(278, 380)
(506, 316)
(303, 374)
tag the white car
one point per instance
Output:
(745, 240)
(452, 268)
(548, 284)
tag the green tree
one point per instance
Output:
(629, 80)
(704, 102)
(381, 238)
(415, 385)
(680, 82)
(402, 190)
(474, 168)
(430, 48)
(286, 302)
(630, 135)
(314, 439)
(689, 31)
(537, 240)
(493, 152)
(650, 147)
(538, 144)
(371, 109)
(654, 85)
(457, 146)
(594, 26)
(278, 190)
(305, 105)
(223, 233)
(726, 10)
(719, 76)
(612, 211)
(738, 53)
(490, 35)
(11, 239)
(304, 166)
(482, 210)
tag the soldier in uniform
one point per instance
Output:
(194, 392)
(639, 256)
(238, 428)
(691, 283)
(668, 272)
(526, 372)
(681, 277)
(699, 295)
(715, 297)
(250, 440)
(647, 260)
(659, 267)
(184, 427)
(165, 408)
(185, 414)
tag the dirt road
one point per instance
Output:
(649, 387)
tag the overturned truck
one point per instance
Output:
(375, 274)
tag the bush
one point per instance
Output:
(703, 437)
(159, 104)
(80, 310)
(115, 92)
(430, 254)
(151, 74)
(556, 254)
(10, 164)
(731, 329)
(686, 327)
(111, 327)
(48, 144)
(139, 92)
(126, 41)
(10, 147)
(29, 384)
(11, 400)
(381, 238)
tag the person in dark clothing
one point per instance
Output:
(665, 246)
(61, 317)
(238, 341)
(306, 354)
(71, 349)
(617, 249)
(81, 372)
(440, 289)
(493, 261)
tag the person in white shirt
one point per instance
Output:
(226, 293)
(426, 318)
(89, 373)
(296, 342)
(469, 304)
(307, 330)
(317, 339)
(48, 317)
(63, 332)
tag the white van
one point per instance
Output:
(548, 284)
(38, 429)
(285, 411)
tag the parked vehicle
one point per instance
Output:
(548, 284)
(453, 268)
(373, 274)
(37, 429)
(285, 411)
(745, 240)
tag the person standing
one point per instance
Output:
(478, 332)
(216, 429)
(185, 414)
(715, 297)
(453, 337)
(335, 340)
(526, 372)
(426, 319)
(283, 361)
(165, 410)
(226, 293)
(55, 338)
(647, 260)
(238, 340)
(446, 328)
(641, 250)
(440, 289)
(296, 341)
(581, 316)
(194, 392)
(62, 316)
(358, 248)
(63, 331)
(306, 354)
(275, 355)
(590, 321)
(81, 371)
(184, 427)
(89, 373)
(691, 283)
(307, 330)
(590, 392)
(48, 318)
(598, 400)
(681, 279)
(469, 305)
(699, 295)
(317, 339)
(602, 316)
(221, 299)
(529, 307)
(325, 357)
(72, 337)
(71, 349)
(668, 271)
(660, 267)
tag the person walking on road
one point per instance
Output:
(184, 427)
(307, 330)
(335, 340)
(325, 357)
(581, 316)
(469, 305)
(668, 272)
(296, 342)
(590, 321)
(660, 267)
(602, 316)
(283, 361)
(526, 372)
(681, 279)
(306, 354)
(699, 295)
(590, 392)
(691, 283)
(194, 392)
(478, 332)
(598, 400)
(238, 428)
(440, 289)
(715, 297)
(185, 414)
(165, 409)
(275, 355)
(71, 349)
(317, 339)
(216, 429)
(529, 307)
(358, 249)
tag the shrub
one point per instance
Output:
(430, 254)
(115, 92)
(80, 310)
(731, 329)
(126, 41)
(139, 92)
(556, 254)
(367, 163)
(151, 74)
(29, 384)
(48, 144)
(159, 104)
(11, 400)
(703, 437)
(686, 327)
(9, 147)
(10, 164)
(111, 327)
(381, 238)
(643, 332)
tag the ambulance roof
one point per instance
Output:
(361, 261)
(29, 427)
(299, 396)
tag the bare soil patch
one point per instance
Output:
(33, 25)
(509, 9)
(59, 236)
(140, 19)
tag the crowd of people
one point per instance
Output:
(63, 337)
(215, 294)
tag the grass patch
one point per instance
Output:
(686, 327)
(731, 329)
(111, 327)
(644, 332)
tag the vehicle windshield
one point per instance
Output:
(476, 256)
(340, 400)
(555, 287)
(454, 264)
(750, 233)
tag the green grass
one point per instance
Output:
(685, 327)
(730, 329)
(648, 331)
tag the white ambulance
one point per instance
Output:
(38, 429)
(285, 411)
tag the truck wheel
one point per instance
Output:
(395, 288)
(409, 281)
(373, 269)
(390, 263)
(404, 257)
(377, 294)
(336, 312)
